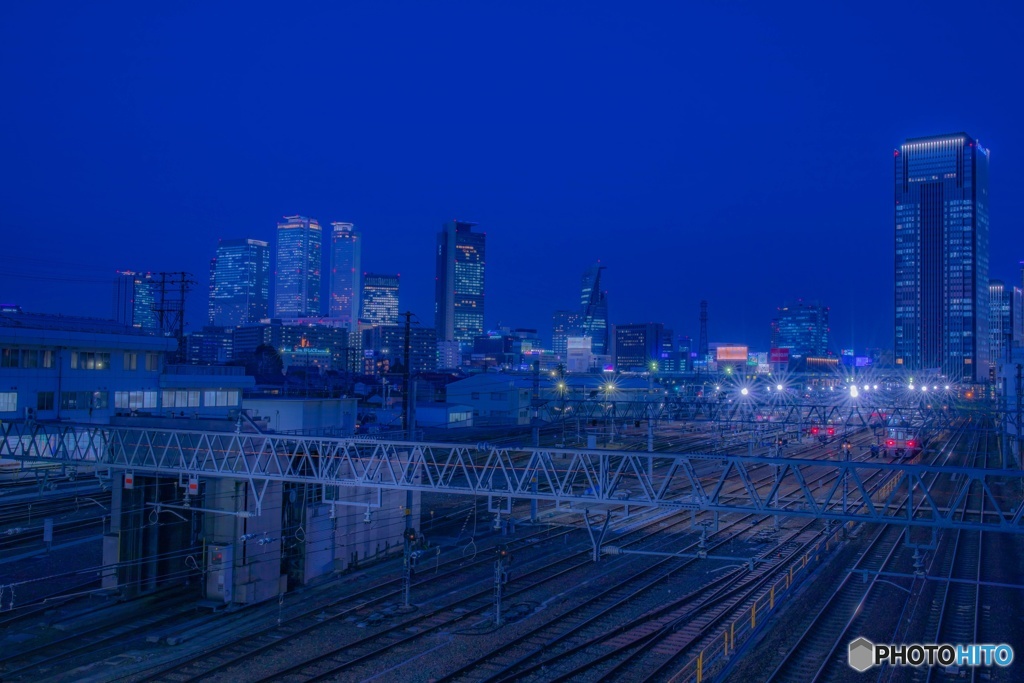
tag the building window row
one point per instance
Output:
(90, 360)
(135, 400)
(26, 358)
(220, 398)
(181, 399)
(8, 401)
(83, 400)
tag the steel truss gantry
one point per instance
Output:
(866, 411)
(860, 489)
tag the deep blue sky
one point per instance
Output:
(739, 153)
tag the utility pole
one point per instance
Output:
(409, 538)
(408, 409)
(170, 310)
(702, 346)
(1017, 416)
(406, 375)
(500, 579)
(535, 423)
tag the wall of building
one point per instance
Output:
(305, 414)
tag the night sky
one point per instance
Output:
(739, 153)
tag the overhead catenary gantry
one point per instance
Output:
(867, 410)
(859, 489)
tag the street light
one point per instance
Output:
(608, 389)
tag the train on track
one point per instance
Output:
(905, 441)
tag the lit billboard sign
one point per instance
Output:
(731, 353)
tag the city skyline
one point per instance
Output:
(124, 146)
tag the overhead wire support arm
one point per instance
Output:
(875, 489)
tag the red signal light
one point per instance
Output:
(814, 430)
(831, 431)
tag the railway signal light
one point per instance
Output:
(831, 431)
(814, 430)
(410, 535)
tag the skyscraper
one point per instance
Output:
(594, 303)
(239, 282)
(564, 324)
(297, 275)
(1004, 318)
(941, 241)
(459, 293)
(801, 328)
(136, 296)
(346, 267)
(380, 299)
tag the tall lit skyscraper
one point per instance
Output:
(239, 282)
(136, 298)
(380, 299)
(594, 303)
(297, 275)
(941, 214)
(346, 266)
(1004, 320)
(459, 293)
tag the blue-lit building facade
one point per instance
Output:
(594, 305)
(803, 328)
(565, 324)
(136, 299)
(308, 336)
(384, 349)
(346, 249)
(1005, 321)
(90, 370)
(941, 243)
(459, 294)
(380, 298)
(239, 283)
(638, 346)
(297, 270)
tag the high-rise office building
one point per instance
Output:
(941, 240)
(380, 299)
(459, 293)
(384, 349)
(239, 283)
(136, 299)
(639, 345)
(1005, 324)
(594, 302)
(802, 328)
(297, 273)
(564, 324)
(346, 248)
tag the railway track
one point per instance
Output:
(237, 653)
(235, 657)
(819, 644)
